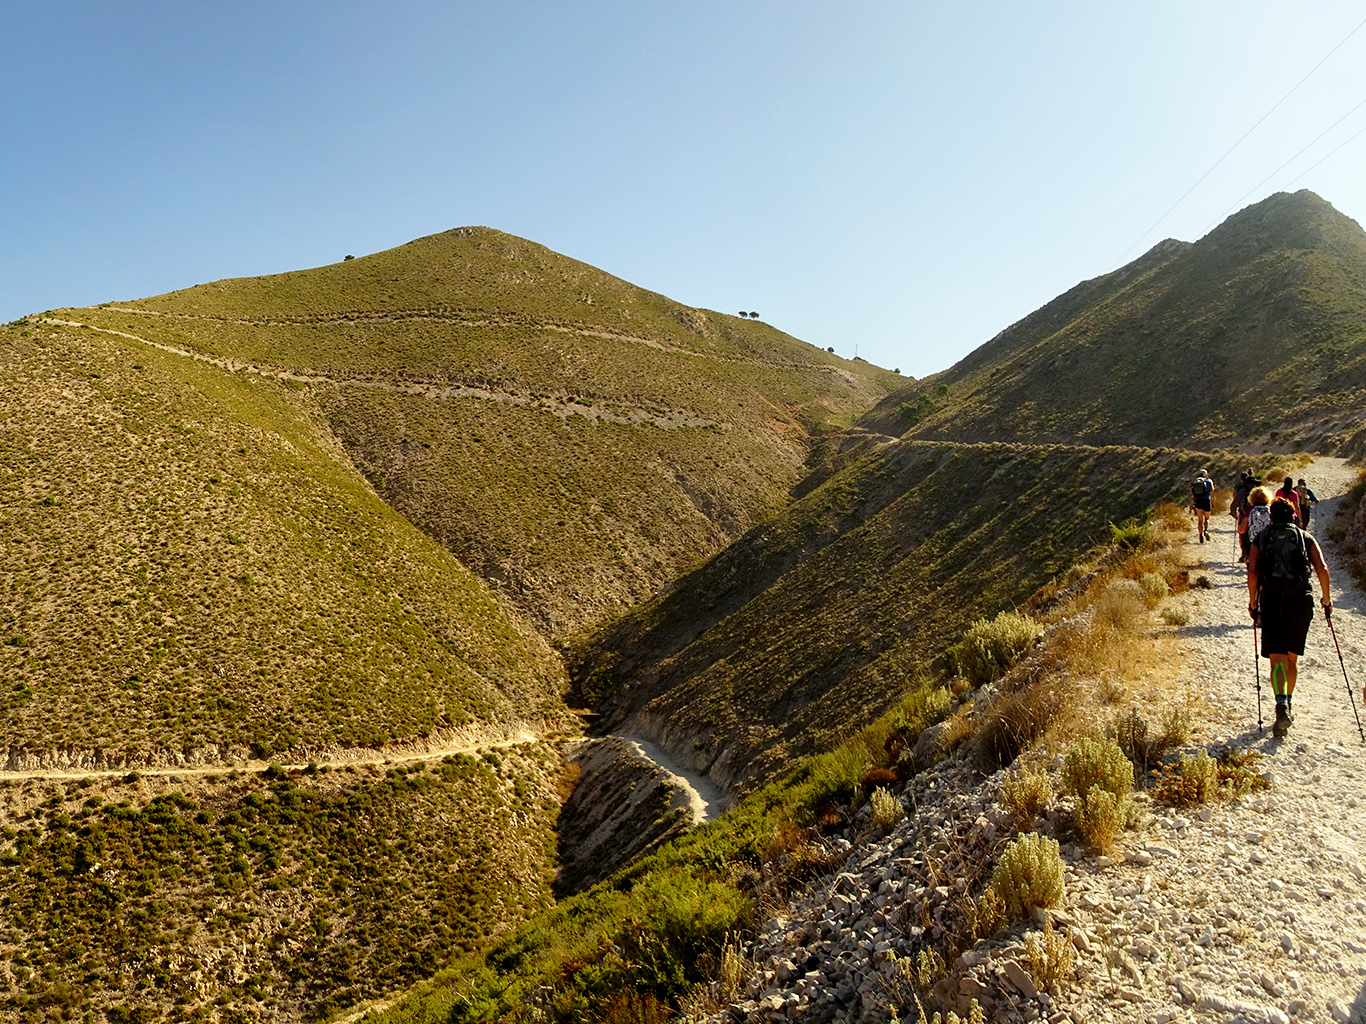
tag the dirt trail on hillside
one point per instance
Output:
(705, 800)
(1254, 911)
(401, 755)
(561, 406)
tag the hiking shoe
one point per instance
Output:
(1283, 720)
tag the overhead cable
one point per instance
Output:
(1283, 166)
(1238, 143)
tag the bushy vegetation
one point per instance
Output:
(991, 647)
(267, 895)
(661, 927)
(866, 580)
(1199, 779)
(1026, 791)
(189, 562)
(1100, 777)
(1028, 875)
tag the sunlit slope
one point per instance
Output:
(191, 566)
(817, 621)
(1255, 334)
(576, 440)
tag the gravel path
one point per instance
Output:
(1259, 912)
(1251, 911)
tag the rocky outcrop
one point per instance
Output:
(623, 806)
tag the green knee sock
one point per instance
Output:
(1278, 682)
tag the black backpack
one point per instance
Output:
(1284, 559)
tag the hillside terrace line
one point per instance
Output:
(562, 406)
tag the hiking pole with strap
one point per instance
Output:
(1328, 614)
(1257, 660)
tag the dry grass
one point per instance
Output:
(1051, 956)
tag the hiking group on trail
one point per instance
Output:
(1281, 556)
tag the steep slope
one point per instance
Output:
(1254, 334)
(195, 578)
(819, 620)
(575, 440)
(192, 567)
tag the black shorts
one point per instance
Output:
(1202, 504)
(1285, 622)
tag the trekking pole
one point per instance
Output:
(1257, 660)
(1350, 699)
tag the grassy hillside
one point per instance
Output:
(822, 618)
(193, 569)
(1255, 334)
(193, 573)
(266, 896)
(575, 440)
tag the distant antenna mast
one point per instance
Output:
(856, 350)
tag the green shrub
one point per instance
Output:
(1029, 875)
(991, 647)
(1154, 586)
(1131, 536)
(1097, 763)
(1131, 733)
(1101, 778)
(1100, 818)
(1192, 780)
(1026, 790)
(887, 809)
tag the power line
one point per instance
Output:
(1323, 158)
(1283, 166)
(1237, 144)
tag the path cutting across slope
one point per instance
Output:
(401, 753)
(562, 406)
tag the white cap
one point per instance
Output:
(1202, 473)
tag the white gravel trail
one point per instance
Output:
(1259, 912)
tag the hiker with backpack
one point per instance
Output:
(1255, 518)
(1289, 493)
(1281, 600)
(1308, 499)
(1202, 495)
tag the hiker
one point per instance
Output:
(1281, 600)
(1238, 505)
(1202, 492)
(1308, 499)
(1255, 519)
(1289, 493)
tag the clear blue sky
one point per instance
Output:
(906, 177)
